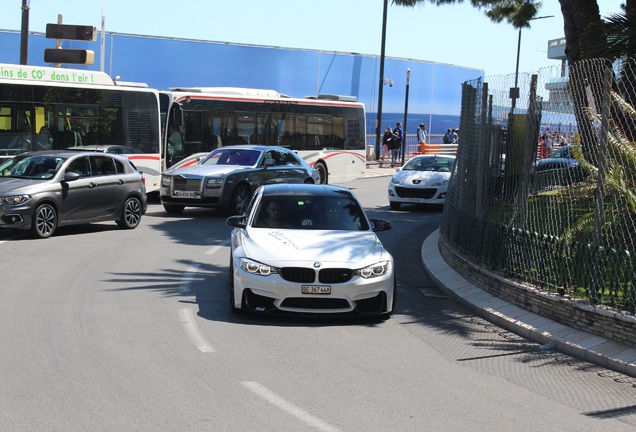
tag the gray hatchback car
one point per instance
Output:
(40, 191)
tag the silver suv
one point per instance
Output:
(40, 191)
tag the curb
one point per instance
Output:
(550, 334)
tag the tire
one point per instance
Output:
(322, 170)
(240, 199)
(173, 208)
(395, 205)
(131, 214)
(44, 222)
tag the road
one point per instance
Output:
(109, 330)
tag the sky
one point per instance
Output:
(454, 34)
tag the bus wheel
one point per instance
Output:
(322, 170)
(131, 214)
(44, 221)
(173, 209)
(240, 199)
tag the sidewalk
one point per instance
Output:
(581, 345)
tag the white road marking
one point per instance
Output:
(188, 276)
(288, 407)
(192, 329)
(217, 248)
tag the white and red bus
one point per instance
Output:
(327, 131)
(43, 108)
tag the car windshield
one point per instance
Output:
(310, 213)
(440, 164)
(32, 167)
(562, 152)
(232, 156)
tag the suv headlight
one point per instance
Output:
(15, 200)
(214, 182)
(254, 267)
(375, 270)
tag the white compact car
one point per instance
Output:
(303, 248)
(422, 180)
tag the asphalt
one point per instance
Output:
(550, 334)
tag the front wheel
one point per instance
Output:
(131, 214)
(240, 199)
(322, 171)
(44, 221)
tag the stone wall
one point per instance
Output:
(577, 314)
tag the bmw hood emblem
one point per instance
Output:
(316, 264)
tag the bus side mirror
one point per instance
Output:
(177, 115)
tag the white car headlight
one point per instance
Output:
(166, 181)
(441, 183)
(375, 270)
(254, 267)
(395, 180)
(15, 200)
(214, 182)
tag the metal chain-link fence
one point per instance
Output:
(544, 188)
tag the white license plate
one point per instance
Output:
(186, 194)
(316, 289)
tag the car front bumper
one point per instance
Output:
(274, 295)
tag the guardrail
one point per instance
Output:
(413, 148)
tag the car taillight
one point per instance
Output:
(143, 180)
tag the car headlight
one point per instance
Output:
(375, 270)
(254, 267)
(395, 180)
(166, 181)
(15, 200)
(441, 183)
(214, 182)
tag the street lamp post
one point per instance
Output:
(406, 112)
(24, 32)
(514, 92)
(380, 90)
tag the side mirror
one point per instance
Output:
(71, 176)
(380, 225)
(269, 163)
(177, 115)
(236, 221)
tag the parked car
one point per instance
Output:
(560, 168)
(40, 191)
(422, 180)
(227, 177)
(310, 249)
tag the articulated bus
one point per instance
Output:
(327, 131)
(44, 108)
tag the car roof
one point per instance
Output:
(258, 147)
(69, 153)
(305, 189)
(95, 147)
